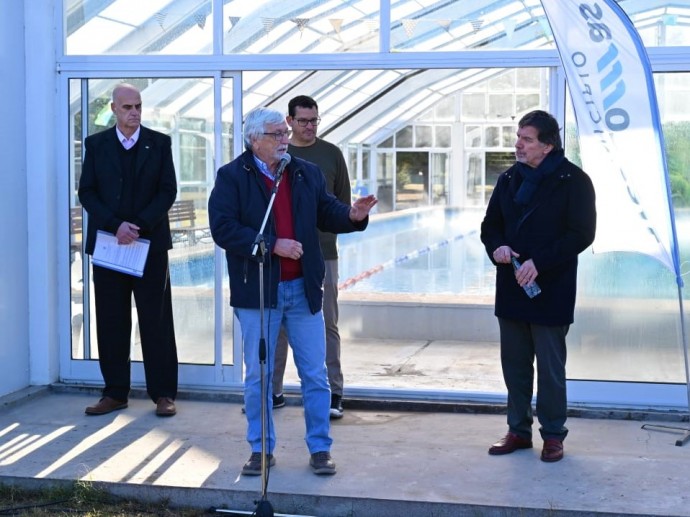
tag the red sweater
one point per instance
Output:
(285, 229)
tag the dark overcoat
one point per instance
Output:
(557, 225)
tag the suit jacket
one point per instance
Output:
(100, 186)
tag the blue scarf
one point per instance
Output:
(532, 177)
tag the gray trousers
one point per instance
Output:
(521, 342)
(330, 316)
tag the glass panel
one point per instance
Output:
(321, 26)
(443, 136)
(445, 109)
(403, 138)
(663, 24)
(181, 108)
(422, 136)
(76, 223)
(496, 164)
(461, 25)
(174, 27)
(503, 83)
(228, 152)
(458, 25)
(363, 174)
(501, 106)
(473, 105)
(422, 240)
(384, 189)
(508, 134)
(527, 79)
(492, 136)
(388, 142)
(475, 179)
(525, 103)
(410, 183)
(135, 27)
(359, 172)
(473, 136)
(411, 180)
(627, 321)
(440, 178)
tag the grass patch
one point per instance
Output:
(82, 499)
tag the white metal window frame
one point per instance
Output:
(668, 59)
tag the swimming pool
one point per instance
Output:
(437, 251)
(430, 250)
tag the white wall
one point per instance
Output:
(46, 217)
(14, 296)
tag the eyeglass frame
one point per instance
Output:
(304, 122)
(278, 135)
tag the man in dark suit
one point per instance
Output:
(127, 186)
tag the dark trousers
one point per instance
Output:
(113, 297)
(521, 342)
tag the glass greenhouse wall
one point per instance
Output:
(423, 98)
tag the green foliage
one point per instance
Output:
(677, 137)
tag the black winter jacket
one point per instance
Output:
(236, 210)
(557, 225)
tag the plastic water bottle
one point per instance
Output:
(532, 289)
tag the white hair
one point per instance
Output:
(255, 123)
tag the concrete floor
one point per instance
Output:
(390, 462)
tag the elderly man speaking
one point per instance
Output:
(294, 271)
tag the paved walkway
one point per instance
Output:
(390, 462)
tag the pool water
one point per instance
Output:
(429, 251)
(438, 251)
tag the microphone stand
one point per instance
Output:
(264, 507)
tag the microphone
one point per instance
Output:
(281, 166)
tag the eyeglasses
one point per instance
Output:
(279, 135)
(304, 121)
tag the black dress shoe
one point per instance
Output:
(552, 451)
(106, 405)
(510, 443)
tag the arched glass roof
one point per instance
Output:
(363, 105)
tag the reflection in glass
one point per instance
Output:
(627, 319)
(191, 264)
(180, 27)
(475, 179)
(323, 26)
(443, 136)
(228, 153)
(76, 256)
(627, 313)
(422, 136)
(492, 136)
(134, 28)
(403, 138)
(411, 180)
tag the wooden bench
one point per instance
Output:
(182, 216)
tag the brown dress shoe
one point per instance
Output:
(106, 405)
(510, 443)
(165, 406)
(552, 451)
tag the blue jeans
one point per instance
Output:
(307, 337)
